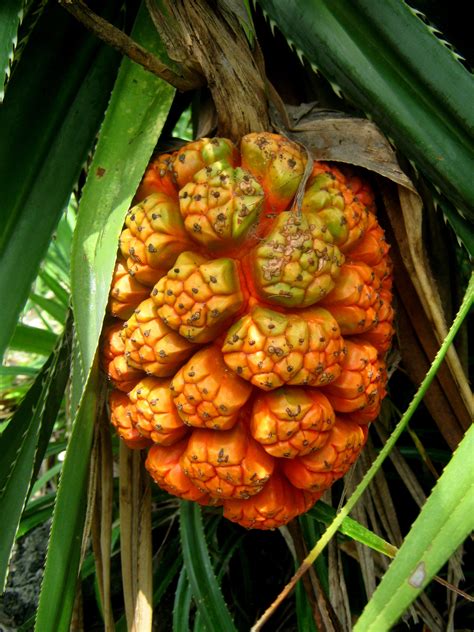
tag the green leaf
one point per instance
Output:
(391, 66)
(38, 504)
(48, 122)
(135, 116)
(182, 603)
(207, 595)
(350, 527)
(168, 567)
(35, 513)
(27, 524)
(304, 613)
(17, 445)
(47, 476)
(59, 292)
(23, 443)
(10, 16)
(446, 519)
(12, 371)
(62, 563)
(461, 226)
(54, 309)
(33, 340)
(312, 532)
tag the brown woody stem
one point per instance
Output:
(207, 37)
(116, 38)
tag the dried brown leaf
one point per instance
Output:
(135, 540)
(105, 508)
(338, 137)
(404, 471)
(209, 40)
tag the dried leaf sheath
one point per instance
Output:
(135, 537)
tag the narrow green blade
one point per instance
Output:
(206, 592)
(59, 292)
(386, 61)
(33, 340)
(446, 519)
(135, 116)
(353, 529)
(58, 588)
(48, 122)
(51, 307)
(10, 17)
(182, 603)
(22, 444)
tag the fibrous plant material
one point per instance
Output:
(254, 361)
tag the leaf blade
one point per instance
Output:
(51, 113)
(133, 121)
(10, 18)
(200, 572)
(353, 529)
(62, 563)
(23, 444)
(33, 340)
(356, 55)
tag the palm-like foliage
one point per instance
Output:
(64, 137)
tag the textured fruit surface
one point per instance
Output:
(256, 285)
(122, 375)
(152, 346)
(278, 164)
(165, 468)
(270, 349)
(156, 233)
(227, 464)
(381, 334)
(360, 388)
(277, 503)
(291, 422)
(355, 301)
(141, 272)
(342, 212)
(220, 205)
(126, 293)
(296, 265)
(156, 417)
(195, 156)
(207, 394)
(317, 471)
(197, 297)
(124, 418)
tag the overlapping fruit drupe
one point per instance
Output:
(256, 313)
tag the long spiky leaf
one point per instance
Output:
(385, 60)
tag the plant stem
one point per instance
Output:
(399, 428)
(116, 38)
